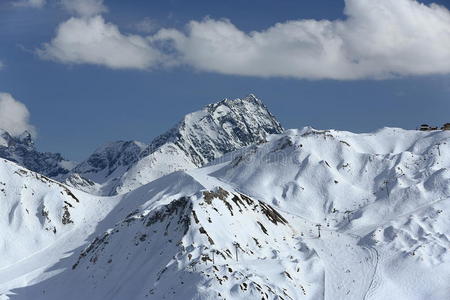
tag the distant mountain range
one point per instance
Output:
(122, 166)
(228, 205)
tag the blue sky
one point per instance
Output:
(77, 105)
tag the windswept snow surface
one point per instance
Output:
(308, 214)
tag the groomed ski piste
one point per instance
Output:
(307, 214)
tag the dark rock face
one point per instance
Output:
(21, 150)
(110, 157)
(220, 128)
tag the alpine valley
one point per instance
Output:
(229, 205)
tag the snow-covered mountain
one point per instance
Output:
(101, 171)
(199, 138)
(36, 212)
(21, 150)
(307, 214)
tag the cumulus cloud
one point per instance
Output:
(84, 8)
(30, 3)
(14, 116)
(93, 41)
(377, 39)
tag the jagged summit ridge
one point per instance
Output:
(21, 150)
(197, 139)
(110, 158)
(220, 128)
(201, 137)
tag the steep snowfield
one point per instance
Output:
(187, 249)
(44, 221)
(200, 137)
(40, 220)
(306, 215)
(166, 159)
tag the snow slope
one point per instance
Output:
(308, 214)
(37, 214)
(184, 250)
(44, 221)
(387, 195)
(333, 177)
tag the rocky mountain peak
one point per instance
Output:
(26, 139)
(197, 139)
(109, 158)
(23, 140)
(21, 149)
(220, 128)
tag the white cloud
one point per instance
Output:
(378, 39)
(93, 41)
(30, 3)
(84, 8)
(14, 116)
